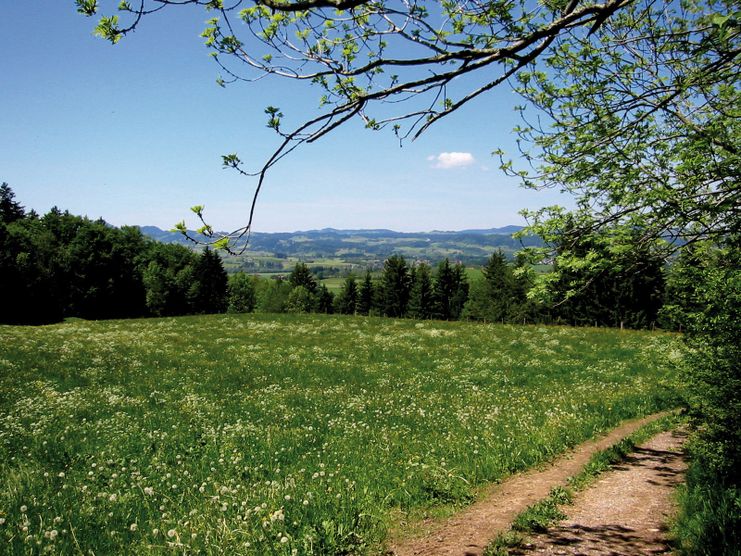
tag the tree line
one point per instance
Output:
(60, 265)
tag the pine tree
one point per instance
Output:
(301, 276)
(324, 300)
(10, 210)
(348, 299)
(421, 298)
(395, 286)
(366, 295)
(494, 297)
(460, 291)
(444, 288)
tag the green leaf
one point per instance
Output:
(720, 20)
(222, 243)
(230, 160)
(87, 7)
(180, 227)
(108, 29)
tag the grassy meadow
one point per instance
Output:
(285, 434)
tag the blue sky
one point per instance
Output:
(134, 133)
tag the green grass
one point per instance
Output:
(538, 517)
(474, 273)
(334, 284)
(283, 434)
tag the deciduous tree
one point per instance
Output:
(241, 295)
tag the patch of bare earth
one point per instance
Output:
(470, 531)
(626, 511)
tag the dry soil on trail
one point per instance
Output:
(469, 532)
(625, 512)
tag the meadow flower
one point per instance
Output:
(149, 491)
(278, 515)
(24, 509)
(133, 527)
(171, 533)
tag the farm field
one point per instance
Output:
(286, 434)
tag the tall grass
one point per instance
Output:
(265, 434)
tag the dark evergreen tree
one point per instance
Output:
(421, 300)
(348, 298)
(208, 291)
(495, 297)
(10, 210)
(460, 291)
(366, 295)
(443, 290)
(301, 276)
(324, 300)
(395, 286)
(451, 290)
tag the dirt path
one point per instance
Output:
(469, 532)
(624, 513)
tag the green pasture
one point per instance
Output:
(286, 434)
(334, 284)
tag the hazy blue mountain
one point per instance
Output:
(470, 246)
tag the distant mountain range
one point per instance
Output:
(167, 236)
(366, 246)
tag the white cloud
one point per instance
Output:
(451, 160)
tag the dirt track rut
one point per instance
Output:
(469, 532)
